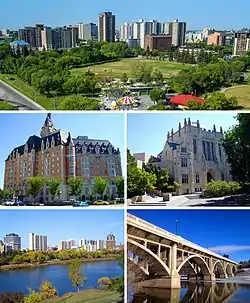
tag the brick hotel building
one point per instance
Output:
(55, 154)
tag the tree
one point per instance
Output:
(6, 106)
(157, 76)
(162, 176)
(119, 182)
(75, 275)
(53, 186)
(236, 144)
(11, 297)
(47, 291)
(100, 185)
(79, 103)
(35, 185)
(124, 78)
(75, 185)
(157, 94)
(33, 297)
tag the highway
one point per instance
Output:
(12, 95)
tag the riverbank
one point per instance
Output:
(87, 296)
(52, 262)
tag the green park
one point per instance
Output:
(76, 79)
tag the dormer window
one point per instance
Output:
(47, 144)
(26, 148)
(42, 146)
(52, 142)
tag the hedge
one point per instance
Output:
(221, 188)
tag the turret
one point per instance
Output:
(168, 136)
(179, 129)
(172, 134)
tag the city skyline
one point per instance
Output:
(176, 10)
(161, 123)
(111, 220)
(77, 124)
(227, 232)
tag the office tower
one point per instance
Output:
(110, 242)
(241, 43)
(47, 39)
(106, 27)
(55, 154)
(88, 31)
(13, 240)
(37, 242)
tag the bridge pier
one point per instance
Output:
(168, 282)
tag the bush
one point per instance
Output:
(221, 188)
(11, 297)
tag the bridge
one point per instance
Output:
(160, 259)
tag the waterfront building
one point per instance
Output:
(194, 157)
(110, 242)
(67, 244)
(38, 242)
(55, 154)
(2, 247)
(106, 27)
(88, 31)
(13, 241)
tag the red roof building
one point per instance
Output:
(184, 99)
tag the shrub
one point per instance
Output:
(48, 291)
(11, 297)
(221, 188)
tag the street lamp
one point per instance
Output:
(176, 227)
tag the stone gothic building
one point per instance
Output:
(55, 154)
(194, 156)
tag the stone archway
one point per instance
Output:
(209, 177)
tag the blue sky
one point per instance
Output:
(148, 132)
(15, 129)
(63, 224)
(224, 231)
(197, 14)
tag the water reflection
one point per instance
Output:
(195, 293)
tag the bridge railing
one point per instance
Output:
(176, 238)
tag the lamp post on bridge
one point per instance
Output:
(176, 227)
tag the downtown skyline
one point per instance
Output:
(80, 224)
(68, 12)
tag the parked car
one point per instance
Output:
(80, 204)
(10, 203)
(100, 202)
(19, 203)
(119, 200)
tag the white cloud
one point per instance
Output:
(116, 223)
(230, 248)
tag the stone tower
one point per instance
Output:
(48, 127)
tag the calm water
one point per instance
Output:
(195, 293)
(21, 280)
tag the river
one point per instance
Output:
(22, 280)
(195, 293)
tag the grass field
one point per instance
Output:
(127, 66)
(90, 296)
(242, 93)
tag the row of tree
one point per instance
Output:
(40, 257)
(36, 184)
(147, 179)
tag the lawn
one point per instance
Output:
(127, 66)
(90, 296)
(242, 93)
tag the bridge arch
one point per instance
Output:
(198, 260)
(142, 269)
(164, 268)
(229, 270)
(219, 265)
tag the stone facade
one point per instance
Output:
(194, 156)
(55, 154)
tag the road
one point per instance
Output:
(11, 94)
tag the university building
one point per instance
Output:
(194, 157)
(55, 154)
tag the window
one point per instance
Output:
(195, 146)
(213, 153)
(208, 151)
(197, 179)
(166, 153)
(184, 162)
(204, 149)
(184, 178)
(183, 149)
(220, 151)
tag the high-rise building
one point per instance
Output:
(178, 33)
(2, 247)
(106, 27)
(100, 244)
(47, 39)
(62, 38)
(126, 32)
(74, 35)
(88, 31)
(55, 154)
(216, 39)
(110, 242)
(38, 242)
(66, 244)
(13, 241)
(241, 43)
(206, 32)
